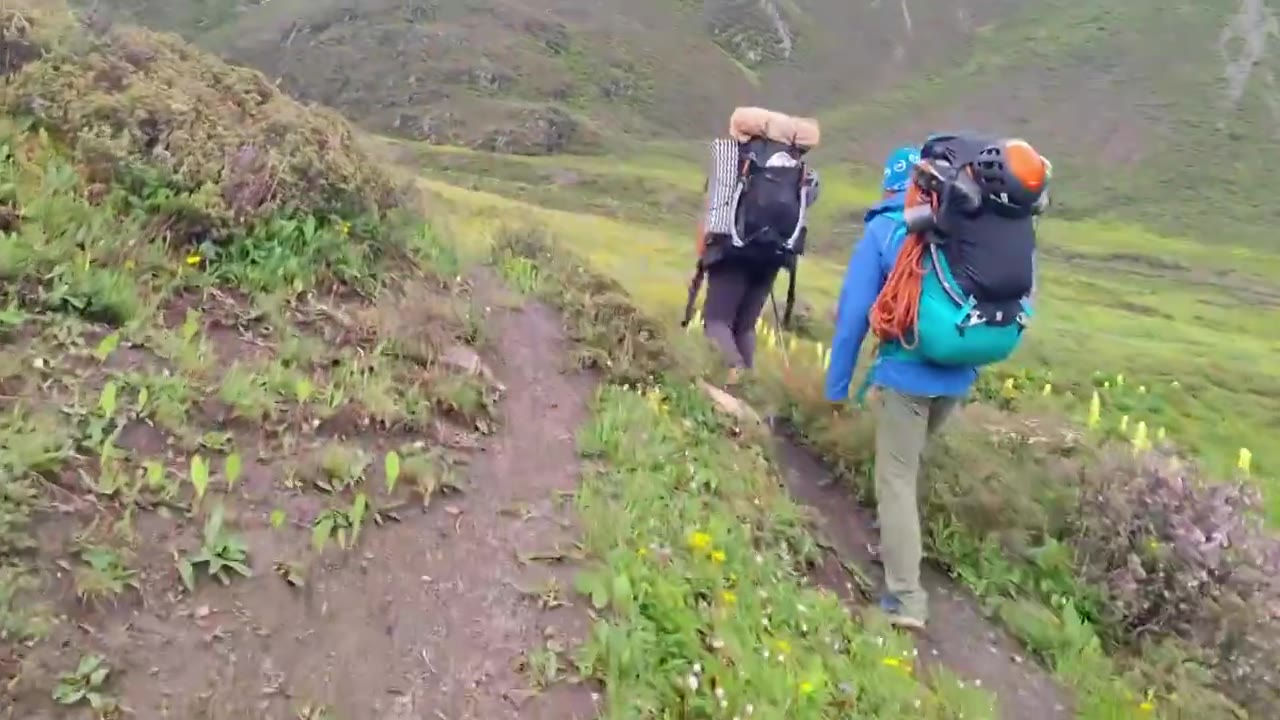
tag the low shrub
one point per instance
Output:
(1142, 547)
(136, 107)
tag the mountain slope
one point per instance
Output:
(1167, 115)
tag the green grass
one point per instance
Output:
(1176, 341)
(227, 356)
(1154, 309)
(709, 612)
(697, 501)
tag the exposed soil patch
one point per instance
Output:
(959, 637)
(452, 611)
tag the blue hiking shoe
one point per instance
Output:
(898, 617)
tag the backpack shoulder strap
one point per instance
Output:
(891, 212)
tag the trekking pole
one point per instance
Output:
(777, 325)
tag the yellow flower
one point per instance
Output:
(642, 552)
(193, 259)
(345, 229)
(783, 646)
(806, 688)
(892, 662)
(728, 597)
(1147, 706)
(129, 264)
(1140, 441)
(1245, 460)
(717, 556)
(699, 541)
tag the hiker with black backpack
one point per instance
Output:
(758, 191)
(944, 282)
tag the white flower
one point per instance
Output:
(693, 683)
(697, 668)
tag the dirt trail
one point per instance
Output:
(959, 637)
(442, 616)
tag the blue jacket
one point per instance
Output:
(872, 259)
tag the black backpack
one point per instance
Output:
(989, 245)
(769, 220)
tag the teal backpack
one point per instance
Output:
(979, 253)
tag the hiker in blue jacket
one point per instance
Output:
(914, 399)
(869, 266)
(914, 395)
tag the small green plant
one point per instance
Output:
(521, 273)
(391, 467)
(102, 573)
(199, 476)
(343, 524)
(247, 393)
(341, 467)
(232, 468)
(86, 684)
(222, 554)
(542, 666)
(107, 346)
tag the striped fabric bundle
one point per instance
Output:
(723, 188)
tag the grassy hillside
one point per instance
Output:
(1178, 136)
(228, 356)
(1170, 315)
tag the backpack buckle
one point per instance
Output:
(972, 318)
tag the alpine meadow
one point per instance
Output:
(342, 373)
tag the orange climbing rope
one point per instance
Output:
(894, 313)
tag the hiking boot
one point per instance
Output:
(899, 617)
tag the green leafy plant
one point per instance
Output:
(391, 466)
(199, 476)
(344, 525)
(86, 684)
(102, 573)
(222, 554)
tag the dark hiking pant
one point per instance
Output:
(736, 295)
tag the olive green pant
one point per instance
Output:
(904, 424)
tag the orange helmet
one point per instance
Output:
(1012, 173)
